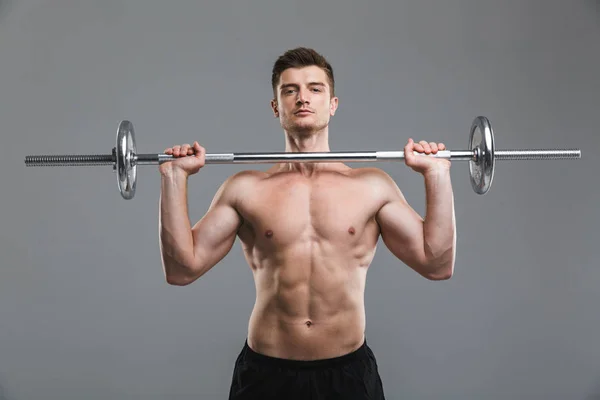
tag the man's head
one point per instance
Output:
(302, 79)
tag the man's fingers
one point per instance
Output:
(425, 145)
(184, 149)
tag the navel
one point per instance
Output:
(351, 230)
(269, 233)
(308, 323)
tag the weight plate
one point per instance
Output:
(481, 139)
(126, 168)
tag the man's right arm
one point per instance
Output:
(189, 252)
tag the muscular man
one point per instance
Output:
(309, 233)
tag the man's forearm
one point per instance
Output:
(439, 228)
(176, 240)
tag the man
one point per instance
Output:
(309, 233)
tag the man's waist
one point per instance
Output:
(291, 337)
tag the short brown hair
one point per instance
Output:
(298, 58)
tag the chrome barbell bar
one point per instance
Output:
(481, 155)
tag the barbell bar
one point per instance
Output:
(481, 155)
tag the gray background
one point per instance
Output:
(85, 312)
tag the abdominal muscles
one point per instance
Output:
(310, 296)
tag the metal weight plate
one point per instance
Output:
(126, 168)
(481, 139)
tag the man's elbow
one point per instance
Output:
(440, 270)
(179, 275)
(441, 274)
(440, 267)
(175, 280)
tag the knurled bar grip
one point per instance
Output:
(537, 154)
(75, 160)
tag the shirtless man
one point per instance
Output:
(309, 233)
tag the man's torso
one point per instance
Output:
(309, 242)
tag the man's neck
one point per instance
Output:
(307, 143)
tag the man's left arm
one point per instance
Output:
(426, 245)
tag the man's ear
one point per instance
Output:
(333, 105)
(275, 108)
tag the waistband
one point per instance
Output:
(248, 354)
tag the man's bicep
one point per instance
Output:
(214, 234)
(402, 229)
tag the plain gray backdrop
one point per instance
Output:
(85, 312)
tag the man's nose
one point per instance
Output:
(302, 97)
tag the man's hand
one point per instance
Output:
(424, 164)
(183, 161)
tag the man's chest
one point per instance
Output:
(283, 212)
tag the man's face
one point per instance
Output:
(304, 103)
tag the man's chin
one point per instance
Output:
(304, 128)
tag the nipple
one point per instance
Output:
(351, 230)
(269, 233)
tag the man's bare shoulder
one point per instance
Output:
(376, 178)
(242, 179)
(246, 176)
(236, 186)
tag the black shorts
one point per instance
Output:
(351, 376)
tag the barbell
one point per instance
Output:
(481, 155)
